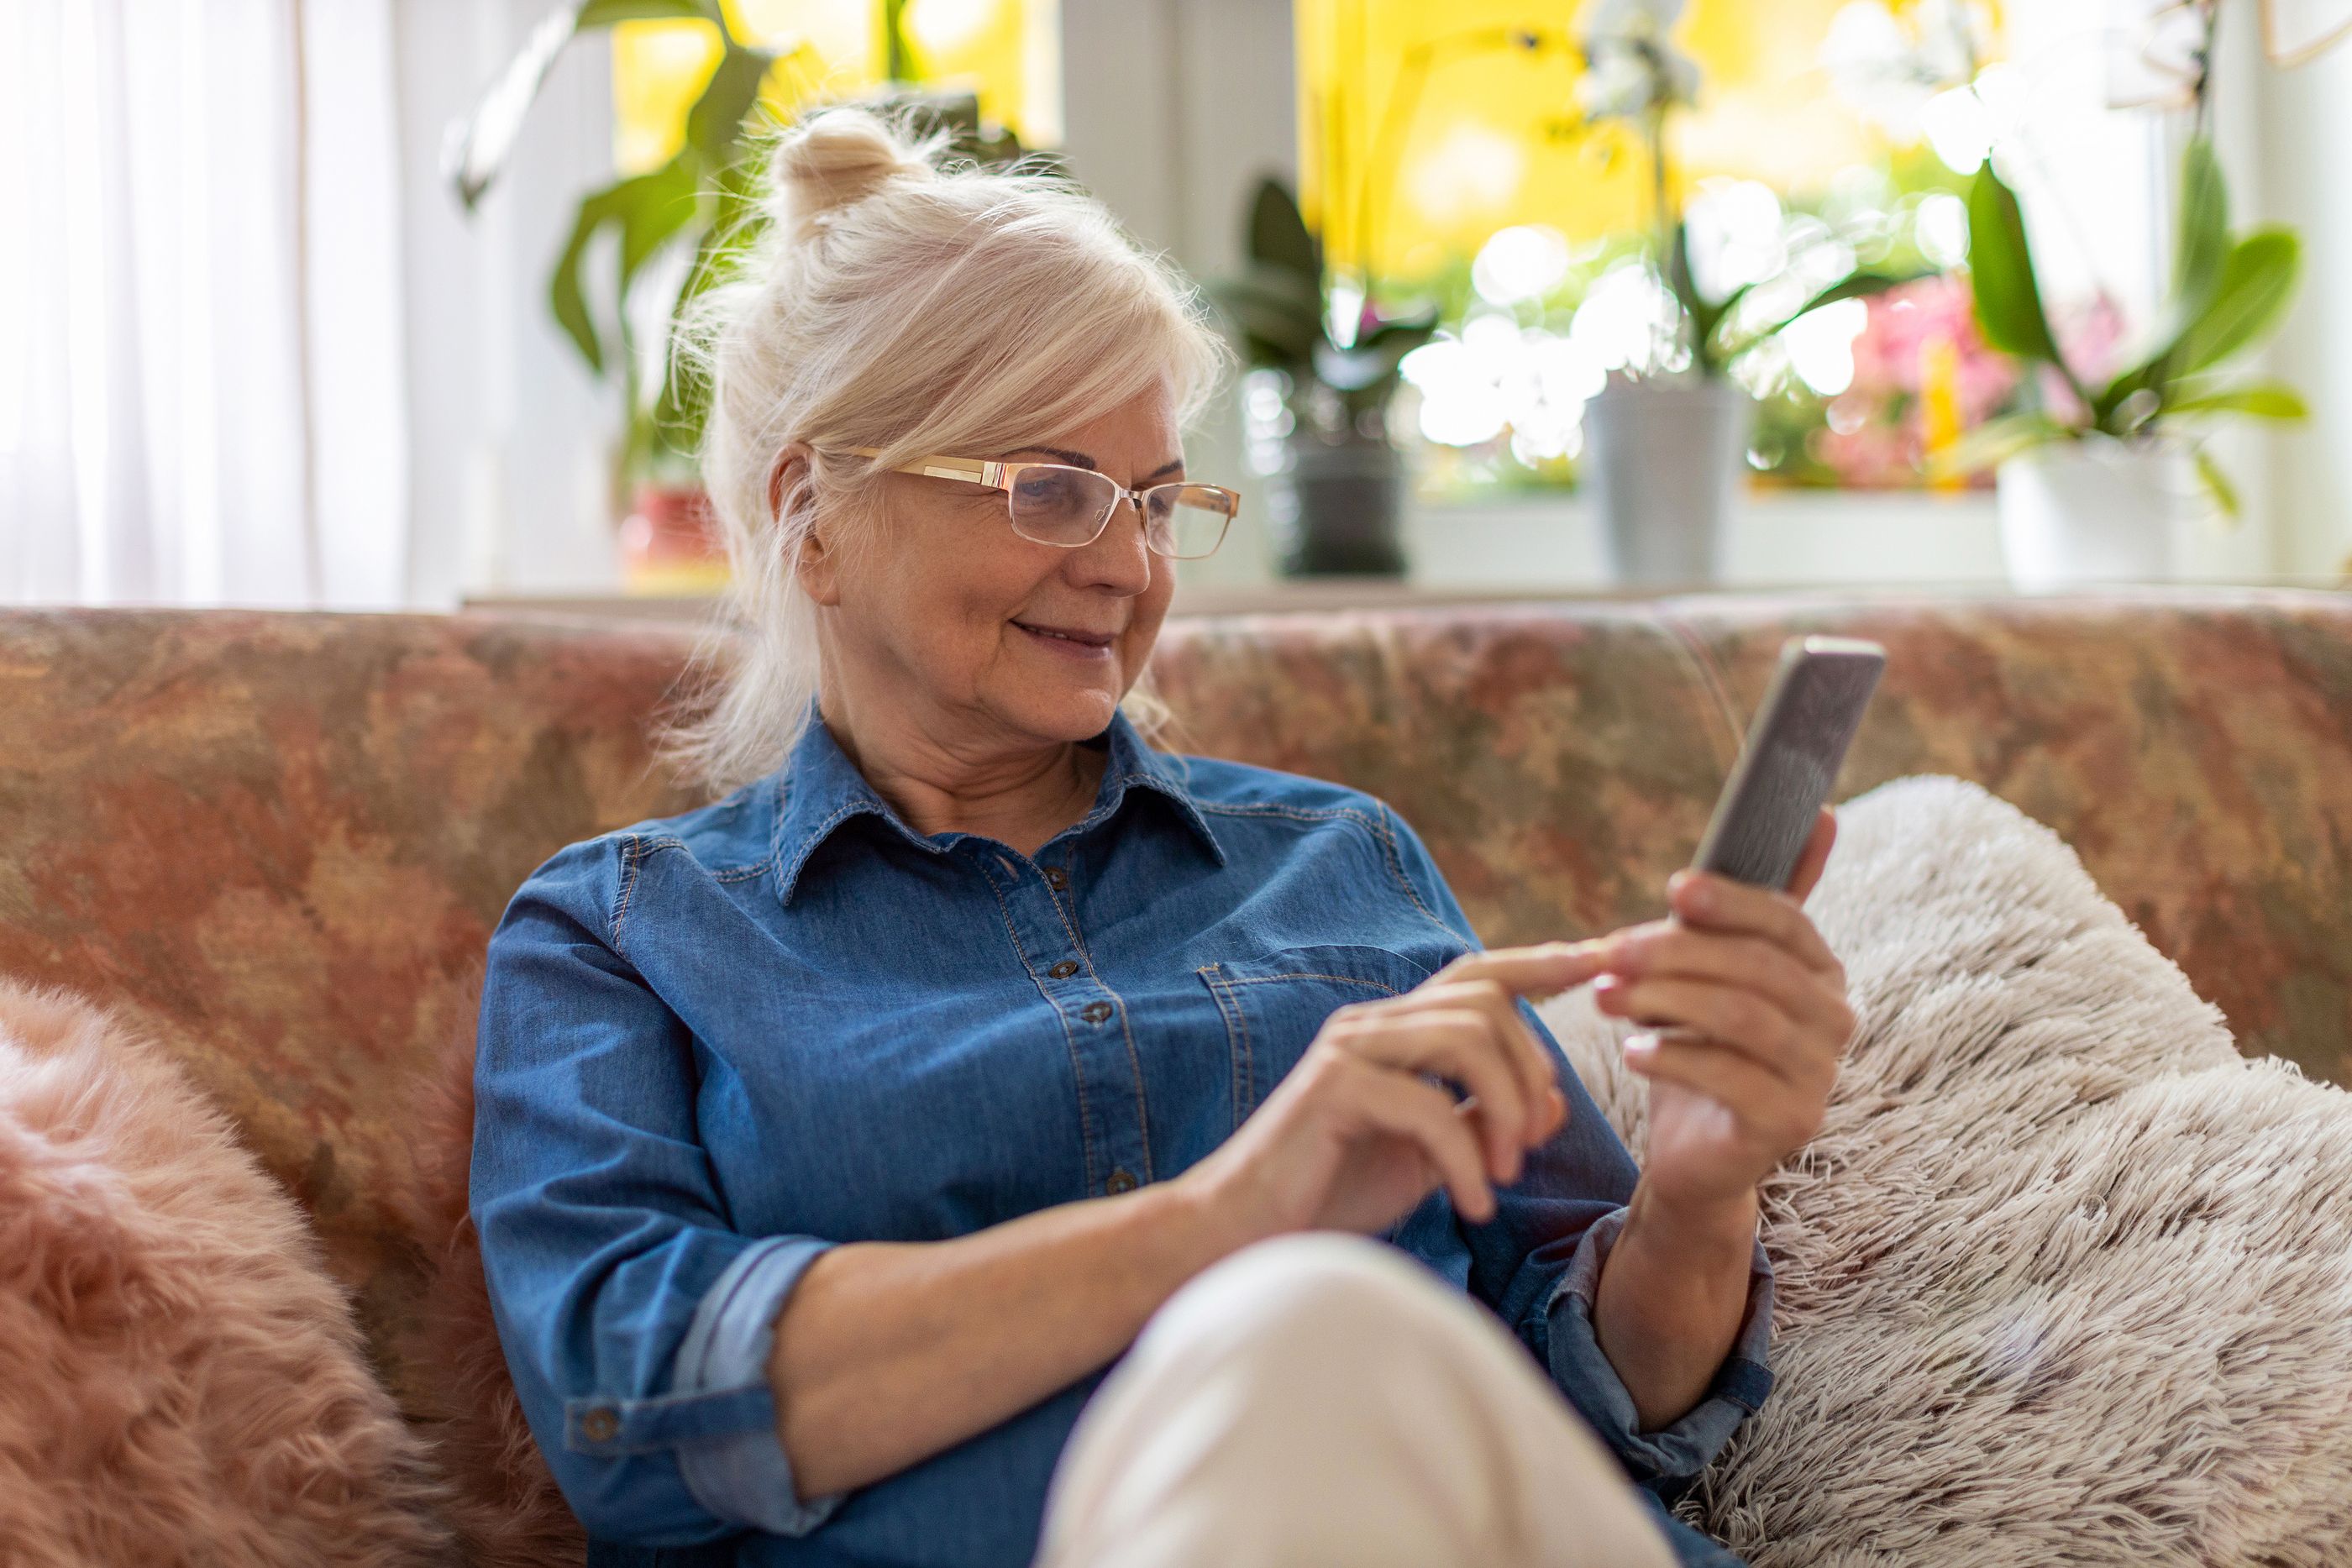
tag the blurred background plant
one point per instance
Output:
(2227, 293)
(674, 228)
(1777, 285)
(1325, 353)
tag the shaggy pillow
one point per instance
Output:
(180, 1381)
(2061, 1279)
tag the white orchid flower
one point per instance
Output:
(1886, 68)
(1631, 65)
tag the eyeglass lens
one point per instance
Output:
(1067, 507)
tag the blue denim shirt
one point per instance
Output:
(714, 1045)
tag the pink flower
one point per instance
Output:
(1878, 427)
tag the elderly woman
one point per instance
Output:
(981, 1138)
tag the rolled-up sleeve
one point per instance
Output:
(1538, 1261)
(1667, 1458)
(636, 1320)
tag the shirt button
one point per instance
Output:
(1120, 1181)
(1056, 878)
(599, 1426)
(1063, 970)
(1094, 1012)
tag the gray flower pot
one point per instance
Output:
(1337, 507)
(1664, 458)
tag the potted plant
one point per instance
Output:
(2091, 481)
(700, 211)
(1336, 498)
(1667, 441)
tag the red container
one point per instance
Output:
(670, 544)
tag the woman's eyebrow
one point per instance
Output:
(1080, 460)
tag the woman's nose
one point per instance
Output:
(1120, 556)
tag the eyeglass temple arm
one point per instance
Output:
(973, 470)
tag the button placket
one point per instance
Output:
(1110, 1090)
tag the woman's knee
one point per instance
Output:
(1310, 1294)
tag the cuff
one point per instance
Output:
(737, 1469)
(1683, 1446)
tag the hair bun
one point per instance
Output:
(836, 158)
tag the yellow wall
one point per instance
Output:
(1002, 47)
(1496, 138)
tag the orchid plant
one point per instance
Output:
(1340, 353)
(2226, 295)
(1635, 74)
(700, 210)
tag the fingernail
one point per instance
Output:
(1640, 1046)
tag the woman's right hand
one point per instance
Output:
(1354, 1137)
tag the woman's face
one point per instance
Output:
(948, 614)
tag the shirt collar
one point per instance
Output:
(821, 789)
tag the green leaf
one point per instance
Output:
(2257, 281)
(716, 120)
(2151, 375)
(1368, 365)
(621, 203)
(1279, 310)
(2001, 266)
(480, 143)
(2217, 484)
(1704, 317)
(1995, 442)
(605, 12)
(2202, 245)
(1279, 236)
(2258, 400)
(1421, 325)
(1861, 286)
(663, 203)
(684, 401)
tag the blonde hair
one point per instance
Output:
(892, 301)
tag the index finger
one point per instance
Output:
(1721, 903)
(1534, 972)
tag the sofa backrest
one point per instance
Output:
(279, 841)
(2193, 745)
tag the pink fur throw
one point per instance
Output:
(504, 1504)
(180, 1381)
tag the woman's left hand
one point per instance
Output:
(1750, 1008)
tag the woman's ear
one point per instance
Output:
(791, 503)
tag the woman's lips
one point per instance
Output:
(1070, 644)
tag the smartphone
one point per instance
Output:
(1790, 759)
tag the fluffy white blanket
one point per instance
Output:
(2062, 1280)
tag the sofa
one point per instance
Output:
(276, 843)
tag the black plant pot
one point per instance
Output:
(1336, 508)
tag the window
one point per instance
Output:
(1446, 157)
(1005, 50)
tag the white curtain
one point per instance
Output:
(200, 371)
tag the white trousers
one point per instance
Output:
(1323, 1399)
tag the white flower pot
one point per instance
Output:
(1665, 458)
(2077, 512)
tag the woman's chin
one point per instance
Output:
(1072, 707)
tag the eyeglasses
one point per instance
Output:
(1061, 504)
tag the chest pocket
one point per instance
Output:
(1274, 1005)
